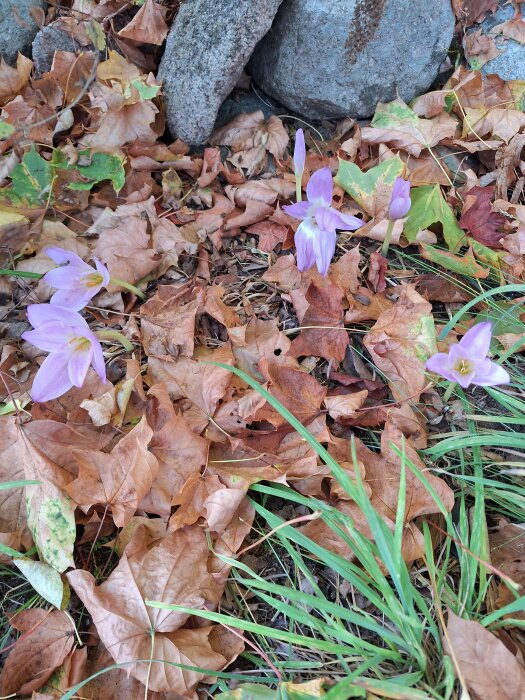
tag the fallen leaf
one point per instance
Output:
(479, 48)
(174, 571)
(489, 669)
(507, 553)
(12, 80)
(148, 26)
(470, 11)
(479, 218)
(119, 479)
(47, 640)
(345, 405)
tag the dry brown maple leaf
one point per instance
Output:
(325, 308)
(479, 218)
(119, 479)
(488, 668)
(174, 571)
(12, 80)
(470, 11)
(48, 639)
(130, 223)
(148, 26)
(12, 509)
(255, 340)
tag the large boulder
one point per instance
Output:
(338, 58)
(206, 50)
(17, 27)
(48, 40)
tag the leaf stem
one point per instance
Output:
(130, 287)
(109, 334)
(388, 238)
(21, 273)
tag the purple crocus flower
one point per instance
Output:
(72, 348)
(315, 237)
(76, 281)
(467, 363)
(400, 202)
(299, 154)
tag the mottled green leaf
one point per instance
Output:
(50, 517)
(93, 168)
(486, 255)
(311, 690)
(45, 580)
(31, 181)
(146, 92)
(6, 130)
(430, 207)
(393, 114)
(96, 34)
(365, 187)
(463, 265)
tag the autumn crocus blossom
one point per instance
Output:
(315, 237)
(72, 349)
(400, 202)
(299, 157)
(467, 363)
(76, 281)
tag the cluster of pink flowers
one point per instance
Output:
(61, 331)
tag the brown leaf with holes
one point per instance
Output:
(490, 670)
(172, 571)
(324, 309)
(119, 479)
(48, 637)
(148, 26)
(479, 219)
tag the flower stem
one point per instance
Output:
(448, 393)
(21, 273)
(388, 238)
(130, 287)
(298, 189)
(109, 334)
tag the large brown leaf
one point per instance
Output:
(507, 553)
(489, 669)
(175, 571)
(479, 219)
(47, 640)
(119, 479)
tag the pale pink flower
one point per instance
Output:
(72, 349)
(315, 237)
(400, 202)
(467, 363)
(299, 154)
(76, 281)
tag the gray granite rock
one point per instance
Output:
(206, 50)
(46, 42)
(16, 35)
(338, 58)
(510, 64)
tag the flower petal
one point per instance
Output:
(326, 218)
(324, 249)
(38, 314)
(74, 299)
(319, 187)
(97, 361)
(488, 373)
(347, 222)
(51, 337)
(401, 188)
(67, 277)
(476, 341)
(299, 152)
(439, 363)
(52, 379)
(61, 256)
(304, 237)
(463, 380)
(78, 365)
(299, 210)
(103, 271)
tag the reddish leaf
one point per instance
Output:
(479, 219)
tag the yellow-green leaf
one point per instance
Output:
(463, 265)
(430, 207)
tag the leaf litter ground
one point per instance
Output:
(322, 522)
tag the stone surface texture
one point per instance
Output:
(510, 64)
(46, 42)
(207, 48)
(16, 35)
(338, 58)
